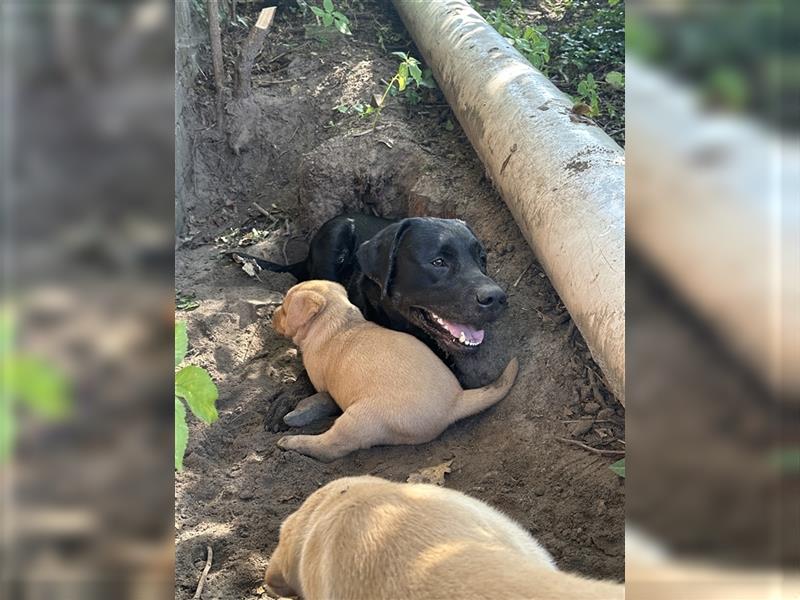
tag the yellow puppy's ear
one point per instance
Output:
(303, 306)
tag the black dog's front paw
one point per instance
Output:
(278, 409)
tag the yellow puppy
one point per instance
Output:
(392, 388)
(367, 538)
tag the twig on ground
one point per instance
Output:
(277, 81)
(286, 243)
(599, 451)
(199, 591)
(262, 210)
(289, 141)
(365, 132)
(516, 283)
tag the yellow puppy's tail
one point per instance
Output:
(474, 401)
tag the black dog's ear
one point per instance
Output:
(377, 256)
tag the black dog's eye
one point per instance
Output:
(439, 262)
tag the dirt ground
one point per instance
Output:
(298, 162)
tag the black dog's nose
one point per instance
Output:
(490, 296)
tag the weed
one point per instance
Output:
(529, 40)
(194, 385)
(587, 95)
(619, 467)
(30, 382)
(186, 301)
(408, 71)
(330, 17)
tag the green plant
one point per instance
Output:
(616, 80)
(587, 96)
(194, 385)
(330, 17)
(619, 467)
(528, 39)
(408, 71)
(30, 382)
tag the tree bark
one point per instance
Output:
(212, 7)
(250, 50)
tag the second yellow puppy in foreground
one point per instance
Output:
(392, 388)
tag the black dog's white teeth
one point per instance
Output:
(461, 339)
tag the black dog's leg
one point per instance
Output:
(311, 409)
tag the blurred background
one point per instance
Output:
(87, 299)
(86, 304)
(713, 299)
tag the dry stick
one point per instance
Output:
(251, 49)
(516, 283)
(599, 451)
(262, 210)
(199, 591)
(212, 8)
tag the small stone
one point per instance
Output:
(582, 427)
(540, 490)
(606, 414)
(591, 408)
(246, 495)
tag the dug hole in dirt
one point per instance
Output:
(285, 162)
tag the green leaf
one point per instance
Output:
(195, 385)
(401, 82)
(401, 55)
(342, 27)
(181, 342)
(8, 427)
(416, 73)
(619, 467)
(615, 79)
(327, 19)
(181, 434)
(339, 16)
(327, 5)
(317, 11)
(39, 386)
(786, 460)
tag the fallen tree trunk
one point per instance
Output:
(562, 177)
(714, 209)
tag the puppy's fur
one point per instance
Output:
(392, 388)
(368, 538)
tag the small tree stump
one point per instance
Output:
(251, 49)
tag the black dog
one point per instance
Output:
(424, 276)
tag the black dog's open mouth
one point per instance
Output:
(458, 335)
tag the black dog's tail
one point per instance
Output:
(298, 269)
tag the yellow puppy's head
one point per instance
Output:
(282, 575)
(303, 303)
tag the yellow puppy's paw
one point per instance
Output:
(286, 442)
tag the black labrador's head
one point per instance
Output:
(433, 272)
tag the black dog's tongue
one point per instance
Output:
(463, 333)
